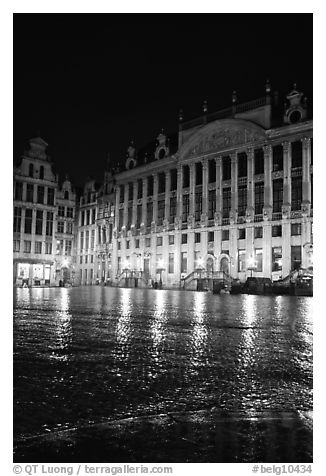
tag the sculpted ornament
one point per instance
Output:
(232, 217)
(286, 211)
(177, 223)
(267, 213)
(190, 221)
(250, 213)
(305, 209)
(203, 219)
(217, 218)
(224, 138)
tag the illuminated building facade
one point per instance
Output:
(234, 199)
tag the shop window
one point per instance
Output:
(197, 237)
(225, 235)
(171, 239)
(184, 238)
(159, 241)
(242, 233)
(259, 259)
(295, 229)
(277, 259)
(210, 236)
(241, 260)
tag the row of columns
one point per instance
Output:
(268, 186)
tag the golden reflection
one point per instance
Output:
(200, 332)
(124, 321)
(63, 331)
(158, 322)
(250, 308)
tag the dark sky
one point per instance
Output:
(91, 82)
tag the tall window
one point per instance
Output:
(259, 259)
(16, 246)
(129, 217)
(17, 219)
(61, 212)
(66, 195)
(38, 247)
(130, 191)
(160, 212)
(30, 193)
(88, 217)
(70, 212)
(161, 182)
(31, 170)
(120, 218)
(198, 205)
(226, 167)
(60, 226)
(277, 195)
(199, 173)
(27, 246)
(259, 198)
(149, 214)
(295, 257)
(277, 158)
(28, 220)
(41, 172)
(186, 176)
(259, 161)
(241, 260)
(211, 171)
(171, 263)
(173, 209)
(150, 185)
(92, 239)
(49, 223)
(39, 222)
(93, 215)
(174, 179)
(40, 194)
(48, 248)
(19, 191)
(242, 164)
(296, 193)
(50, 196)
(87, 240)
(226, 201)
(139, 216)
(68, 246)
(242, 200)
(122, 193)
(211, 204)
(185, 208)
(184, 262)
(296, 154)
(81, 242)
(140, 189)
(277, 258)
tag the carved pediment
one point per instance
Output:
(221, 135)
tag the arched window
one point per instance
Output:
(66, 195)
(31, 170)
(41, 172)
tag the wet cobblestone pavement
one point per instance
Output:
(127, 375)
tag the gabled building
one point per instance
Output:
(35, 188)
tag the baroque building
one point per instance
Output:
(233, 200)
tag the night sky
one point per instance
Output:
(89, 83)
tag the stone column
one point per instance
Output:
(219, 185)
(134, 204)
(155, 196)
(250, 185)
(234, 183)
(306, 184)
(125, 208)
(144, 201)
(179, 191)
(167, 194)
(287, 174)
(268, 188)
(205, 187)
(192, 182)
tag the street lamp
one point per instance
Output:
(160, 269)
(199, 269)
(251, 265)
